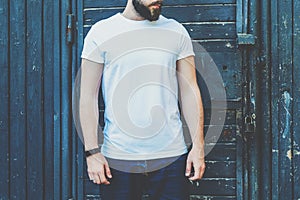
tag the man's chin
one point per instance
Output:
(154, 17)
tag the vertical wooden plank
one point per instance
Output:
(75, 138)
(80, 156)
(66, 117)
(34, 100)
(285, 16)
(4, 99)
(239, 159)
(264, 102)
(296, 95)
(48, 53)
(244, 157)
(56, 98)
(251, 9)
(275, 99)
(239, 16)
(17, 100)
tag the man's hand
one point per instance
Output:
(98, 169)
(195, 160)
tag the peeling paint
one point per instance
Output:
(253, 101)
(55, 117)
(296, 153)
(289, 154)
(287, 125)
(285, 23)
(275, 150)
(229, 45)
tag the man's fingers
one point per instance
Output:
(98, 169)
(107, 170)
(103, 177)
(196, 174)
(202, 170)
(188, 168)
(90, 176)
(96, 178)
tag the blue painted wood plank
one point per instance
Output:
(66, 103)
(213, 169)
(250, 10)
(230, 118)
(296, 95)
(214, 187)
(4, 99)
(286, 92)
(74, 147)
(239, 16)
(81, 170)
(57, 98)
(221, 30)
(118, 3)
(48, 93)
(200, 197)
(219, 13)
(224, 13)
(34, 104)
(192, 197)
(239, 160)
(275, 100)
(228, 134)
(17, 100)
(264, 119)
(229, 69)
(243, 144)
(205, 30)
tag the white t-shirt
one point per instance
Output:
(139, 85)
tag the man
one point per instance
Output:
(141, 58)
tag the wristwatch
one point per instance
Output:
(92, 152)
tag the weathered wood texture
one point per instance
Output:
(284, 36)
(32, 48)
(296, 100)
(4, 99)
(41, 157)
(122, 3)
(17, 105)
(211, 24)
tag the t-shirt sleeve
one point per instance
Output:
(91, 50)
(185, 45)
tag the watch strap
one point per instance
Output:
(92, 152)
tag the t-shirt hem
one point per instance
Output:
(185, 55)
(91, 59)
(145, 156)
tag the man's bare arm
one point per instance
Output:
(192, 109)
(91, 74)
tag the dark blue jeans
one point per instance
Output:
(164, 183)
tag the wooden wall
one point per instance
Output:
(35, 116)
(284, 59)
(41, 157)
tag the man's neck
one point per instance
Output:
(130, 13)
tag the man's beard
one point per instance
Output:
(145, 11)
